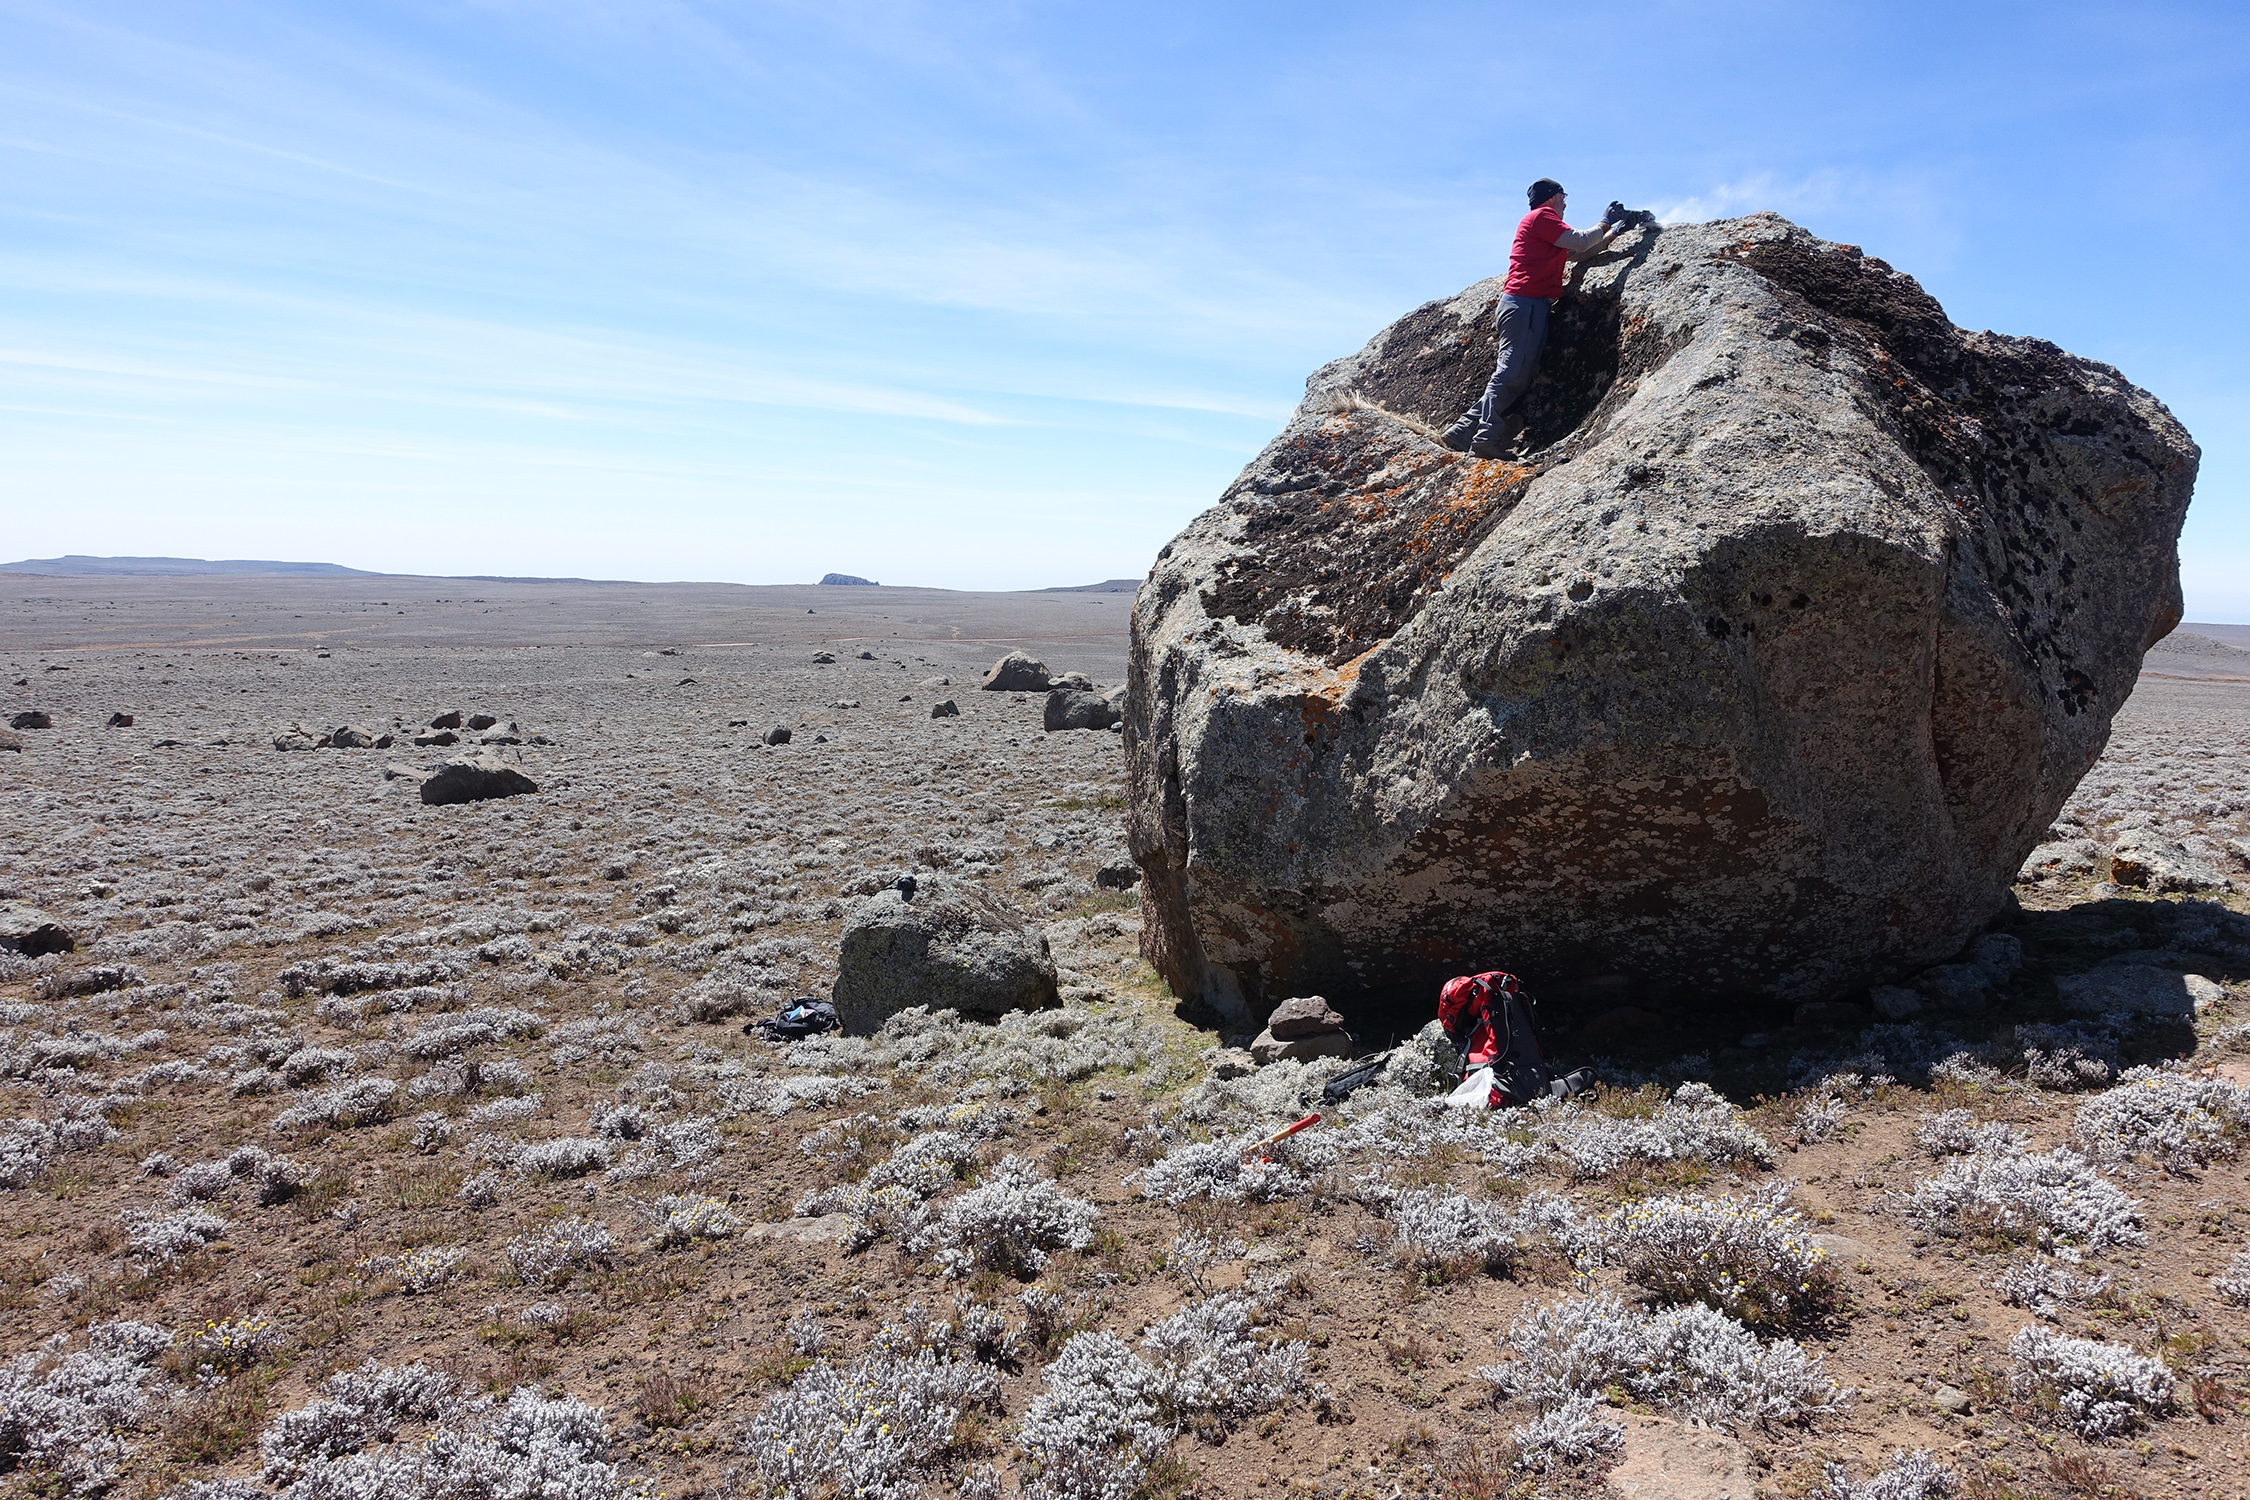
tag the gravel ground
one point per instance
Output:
(523, 1141)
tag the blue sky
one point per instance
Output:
(974, 295)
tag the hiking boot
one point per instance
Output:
(1460, 435)
(1493, 447)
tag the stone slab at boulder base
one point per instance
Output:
(952, 946)
(473, 778)
(1756, 675)
(29, 931)
(1017, 672)
(2141, 989)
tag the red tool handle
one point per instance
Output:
(1281, 1135)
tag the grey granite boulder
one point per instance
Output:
(1758, 671)
(2147, 860)
(1303, 1016)
(2063, 857)
(31, 932)
(298, 737)
(473, 778)
(1267, 1048)
(1017, 672)
(952, 945)
(1076, 708)
(352, 737)
(31, 718)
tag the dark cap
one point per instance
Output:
(1543, 189)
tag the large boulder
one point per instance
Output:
(31, 932)
(473, 778)
(1017, 672)
(1758, 675)
(949, 944)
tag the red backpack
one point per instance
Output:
(1488, 1019)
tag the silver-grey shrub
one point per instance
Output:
(65, 1411)
(1572, 1432)
(167, 1237)
(1915, 1475)
(1104, 1413)
(1009, 1222)
(2052, 1199)
(2233, 1284)
(872, 1428)
(530, 1448)
(555, 1250)
(368, 1101)
(2100, 1389)
(682, 1220)
(1956, 1132)
(1693, 1359)
(1435, 1230)
(355, 1407)
(29, 1146)
(2179, 1119)
(1751, 1257)
(1222, 1171)
(2042, 1287)
(565, 1156)
(1695, 1124)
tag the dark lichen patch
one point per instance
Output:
(1348, 534)
(2006, 427)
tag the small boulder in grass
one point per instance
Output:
(1017, 672)
(778, 735)
(120, 721)
(1306, 1015)
(298, 737)
(482, 721)
(450, 720)
(29, 931)
(352, 737)
(475, 777)
(1075, 708)
(31, 718)
(945, 708)
(823, 658)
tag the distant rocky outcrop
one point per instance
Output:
(474, 777)
(1758, 671)
(949, 944)
(847, 578)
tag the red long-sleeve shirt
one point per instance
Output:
(1543, 248)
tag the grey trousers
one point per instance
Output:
(1521, 323)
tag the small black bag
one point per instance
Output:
(800, 1019)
